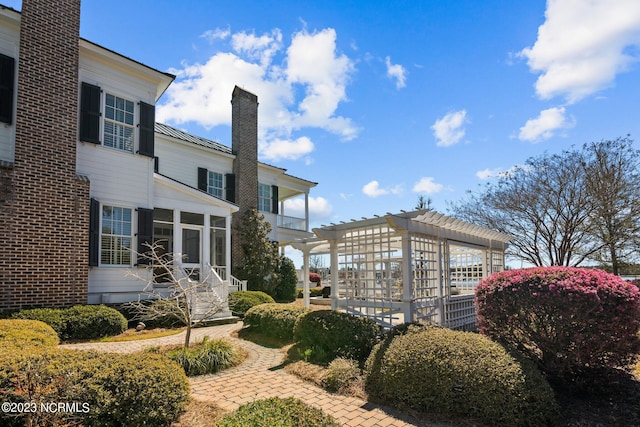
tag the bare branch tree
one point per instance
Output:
(613, 181)
(170, 292)
(544, 205)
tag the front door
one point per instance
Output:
(192, 250)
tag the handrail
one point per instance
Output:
(241, 285)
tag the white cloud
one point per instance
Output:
(218, 34)
(397, 72)
(373, 189)
(583, 45)
(544, 126)
(279, 149)
(487, 173)
(319, 208)
(427, 185)
(299, 86)
(449, 130)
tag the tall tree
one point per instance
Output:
(612, 179)
(544, 205)
(423, 203)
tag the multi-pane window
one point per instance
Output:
(118, 123)
(264, 198)
(215, 185)
(115, 244)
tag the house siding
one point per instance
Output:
(45, 220)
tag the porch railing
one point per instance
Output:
(292, 223)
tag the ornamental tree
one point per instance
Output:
(569, 321)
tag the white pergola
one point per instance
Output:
(406, 267)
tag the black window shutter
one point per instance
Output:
(156, 164)
(147, 131)
(90, 113)
(94, 232)
(230, 189)
(274, 199)
(145, 233)
(7, 73)
(203, 179)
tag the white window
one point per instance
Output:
(116, 236)
(264, 198)
(215, 184)
(118, 123)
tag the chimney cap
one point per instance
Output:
(239, 92)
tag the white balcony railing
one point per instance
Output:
(292, 223)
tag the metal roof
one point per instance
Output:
(167, 130)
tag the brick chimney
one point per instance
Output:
(244, 145)
(44, 222)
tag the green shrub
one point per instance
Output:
(208, 357)
(573, 323)
(53, 317)
(80, 321)
(241, 301)
(290, 412)
(340, 375)
(335, 334)
(276, 320)
(457, 373)
(313, 292)
(285, 290)
(110, 389)
(22, 333)
(94, 321)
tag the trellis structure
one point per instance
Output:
(411, 266)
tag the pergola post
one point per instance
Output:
(407, 279)
(305, 278)
(333, 251)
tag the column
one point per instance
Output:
(407, 279)
(333, 248)
(177, 237)
(306, 210)
(227, 248)
(305, 278)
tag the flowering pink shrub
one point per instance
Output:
(570, 321)
(315, 278)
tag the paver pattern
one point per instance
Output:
(261, 376)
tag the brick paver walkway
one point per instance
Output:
(261, 376)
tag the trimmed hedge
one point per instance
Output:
(573, 323)
(313, 292)
(80, 321)
(455, 373)
(331, 334)
(241, 301)
(290, 412)
(23, 333)
(111, 389)
(277, 320)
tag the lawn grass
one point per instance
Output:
(133, 335)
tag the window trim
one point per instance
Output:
(121, 124)
(264, 199)
(219, 191)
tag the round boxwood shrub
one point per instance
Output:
(289, 412)
(285, 290)
(241, 301)
(21, 333)
(110, 389)
(276, 320)
(94, 321)
(80, 321)
(334, 334)
(455, 373)
(571, 322)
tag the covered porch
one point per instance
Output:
(406, 267)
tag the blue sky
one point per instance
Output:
(382, 101)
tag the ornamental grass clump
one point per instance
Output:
(573, 323)
(289, 412)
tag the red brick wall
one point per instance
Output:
(45, 213)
